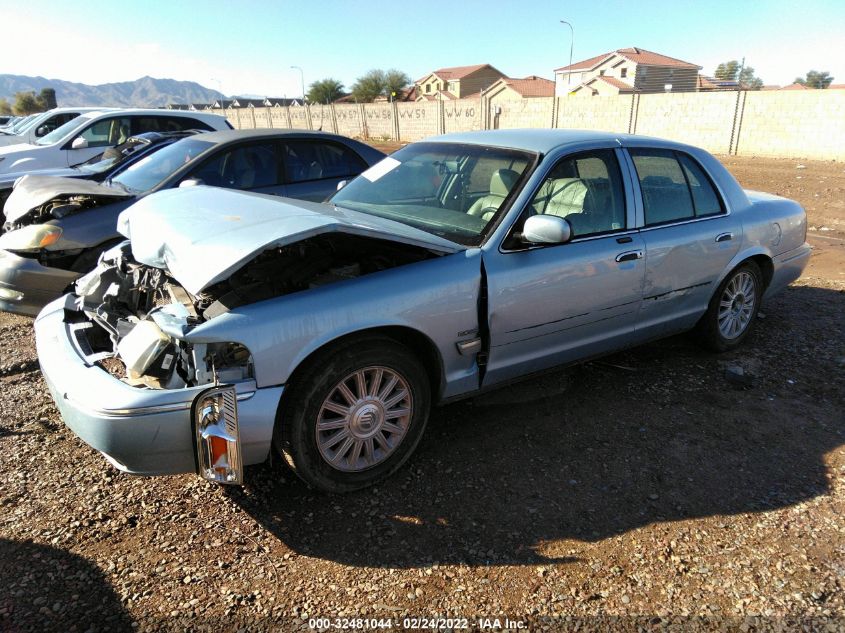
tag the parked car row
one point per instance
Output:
(231, 323)
(56, 228)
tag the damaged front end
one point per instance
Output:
(137, 318)
(55, 208)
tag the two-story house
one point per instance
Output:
(625, 71)
(459, 82)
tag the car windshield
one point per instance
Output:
(23, 124)
(113, 156)
(155, 168)
(451, 190)
(63, 130)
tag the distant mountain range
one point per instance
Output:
(146, 92)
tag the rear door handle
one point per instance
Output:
(724, 237)
(629, 256)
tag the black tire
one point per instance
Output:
(296, 434)
(708, 330)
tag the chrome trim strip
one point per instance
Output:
(682, 222)
(138, 411)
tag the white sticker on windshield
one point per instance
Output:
(380, 169)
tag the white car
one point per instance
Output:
(42, 124)
(92, 133)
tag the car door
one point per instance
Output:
(250, 166)
(689, 239)
(97, 136)
(549, 305)
(314, 167)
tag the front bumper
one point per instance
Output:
(139, 430)
(26, 286)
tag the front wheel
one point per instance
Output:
(354, 415)
(733, 308)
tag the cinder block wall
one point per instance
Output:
(801, 124)
(702, 119)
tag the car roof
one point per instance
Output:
(226, 136)
(540, 140)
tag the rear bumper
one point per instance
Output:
(788, 267)
(26, 286)
(140, 431)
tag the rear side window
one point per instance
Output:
(315, 160)
(704, 196)
(674, 187)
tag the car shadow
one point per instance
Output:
(524, 474)
(44, 588)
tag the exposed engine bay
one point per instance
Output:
(135, 317)
(57, 208)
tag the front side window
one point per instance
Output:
(315, 160)
(585, 189)
(437, 187)
(674, 187)
(107, 132)
(243, 167)
(54, 123)
(61, 132)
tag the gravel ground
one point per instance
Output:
(642, 491)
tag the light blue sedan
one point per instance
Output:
(234, 324)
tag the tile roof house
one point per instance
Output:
(796, 86)
(457, 82)
(625, 71)
(710, 84)
(527, 87)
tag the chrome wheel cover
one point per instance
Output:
(364, 419)
(736, 305)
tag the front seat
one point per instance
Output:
(566, 197)
(501, 182)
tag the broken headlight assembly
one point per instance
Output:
(215, 416)
(30, 238)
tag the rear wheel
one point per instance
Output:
(733, 308)
(354, 414)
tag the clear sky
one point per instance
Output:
(249, 46)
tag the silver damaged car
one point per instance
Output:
(326, 332)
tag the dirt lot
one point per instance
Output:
(640, 490)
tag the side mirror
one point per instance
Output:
(546, 229)
(342, 184)
(41, 131)
(79, 143)
(191, 182)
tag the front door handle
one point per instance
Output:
(724, 237)
(629, 256)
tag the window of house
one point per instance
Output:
(601, 73)
(674, 187)
(623, 72)
(428, 87)
(587, 190)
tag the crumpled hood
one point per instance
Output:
(7, 180)
(32, 191)
(202, 235)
